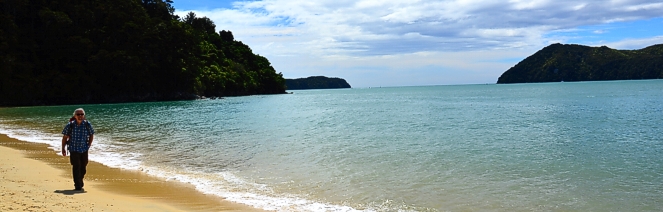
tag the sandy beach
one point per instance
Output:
(34, 178)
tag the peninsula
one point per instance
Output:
(316, 82)
(569, 62)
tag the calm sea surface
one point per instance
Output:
(586, 146)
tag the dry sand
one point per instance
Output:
(34, 178)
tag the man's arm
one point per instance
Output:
(64, 145)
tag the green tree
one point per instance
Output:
(71, 52)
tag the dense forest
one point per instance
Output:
(316, 82)
(558, 62)
(96, 51)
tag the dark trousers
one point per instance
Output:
(79, 163)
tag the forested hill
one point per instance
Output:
(316, 82)
(97, 51)
(559, 62)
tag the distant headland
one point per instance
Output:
(569, 62)
(316, 82)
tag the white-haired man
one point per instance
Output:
(78, 136)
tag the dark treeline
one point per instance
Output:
(316, 82)
(97, 51)
(559, 62)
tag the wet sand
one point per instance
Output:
(35, 178)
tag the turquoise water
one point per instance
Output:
(586, 146)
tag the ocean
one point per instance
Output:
(571, 146)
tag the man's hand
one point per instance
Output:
(64, 151)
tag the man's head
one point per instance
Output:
(79, 114)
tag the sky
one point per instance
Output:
(383, 43)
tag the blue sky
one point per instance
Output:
(373, 43)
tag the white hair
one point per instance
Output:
(81, 109)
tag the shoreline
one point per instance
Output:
(34, 177)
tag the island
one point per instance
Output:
(316, 82)
(570, 62)
(81, 52)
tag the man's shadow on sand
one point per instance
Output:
(69, 192)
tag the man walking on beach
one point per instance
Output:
(78, 136)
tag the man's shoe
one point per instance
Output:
(78, 188)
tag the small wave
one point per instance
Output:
(222, 184)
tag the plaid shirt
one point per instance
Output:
(79, 137)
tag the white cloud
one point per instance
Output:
(647, 6)
(366, 31)
(631, 44)
(528, 4)
(369, 26)
(579, 6)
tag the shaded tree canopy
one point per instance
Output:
(316, 82)
(559, 62)
(75, 52)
